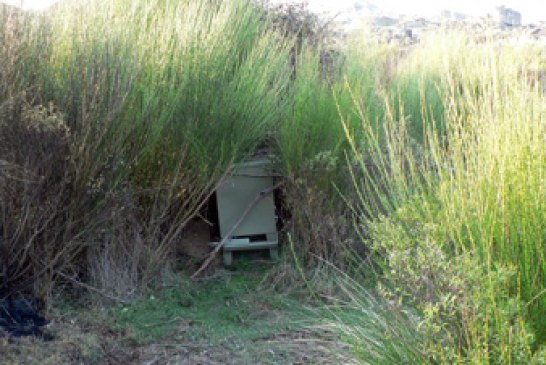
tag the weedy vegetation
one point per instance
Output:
(418, 172)
(456, 218)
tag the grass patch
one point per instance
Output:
(226, 309)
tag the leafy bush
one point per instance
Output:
(159, 99)
(312, 147)
(459, 227)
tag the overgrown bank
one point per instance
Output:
(422, 166)
(457, 222)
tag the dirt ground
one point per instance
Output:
(227, 318)
(80, 341)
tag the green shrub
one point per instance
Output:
(160, 98)
(378, 330)
(457, 221)
(312, 146)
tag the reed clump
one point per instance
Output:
(159, 99)
(424, 167)
(457, 221)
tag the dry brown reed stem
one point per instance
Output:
(92, 288)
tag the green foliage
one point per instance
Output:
(379, 331)
(218, 310)
(150, 102)
(459, 224)
(160, 98)
(202, 80)
(416, 99)
(312, 147)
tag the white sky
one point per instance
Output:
(31, 4)
(531, 10)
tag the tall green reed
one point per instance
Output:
(207, 76)
(457, 218)
(311, 146)
(160, 98)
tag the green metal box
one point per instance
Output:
(259, 228)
